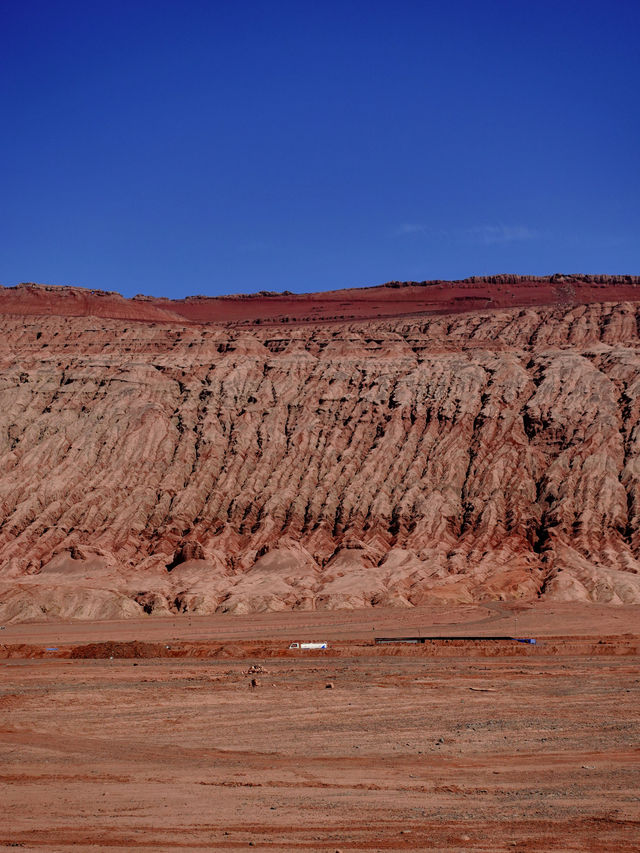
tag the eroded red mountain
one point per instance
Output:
(170, 465)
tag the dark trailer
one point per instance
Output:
(420, 639)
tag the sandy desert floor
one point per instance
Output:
(111, 740)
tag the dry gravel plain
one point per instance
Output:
(111, 740)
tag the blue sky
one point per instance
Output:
(174, 148)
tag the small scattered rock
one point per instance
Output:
(329, 685)
(255, 682)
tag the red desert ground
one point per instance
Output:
(187, 486)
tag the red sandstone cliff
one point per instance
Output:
(184, 467)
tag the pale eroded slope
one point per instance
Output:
(476, 456)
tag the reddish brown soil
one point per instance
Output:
(363, 303)
(415, 750)
(396, 299)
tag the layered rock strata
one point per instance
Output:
(388, 300)
(186, 468)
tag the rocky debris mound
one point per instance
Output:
(115, 650)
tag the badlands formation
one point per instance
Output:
(416, 443)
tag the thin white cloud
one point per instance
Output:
(487, 235)
(490, 234)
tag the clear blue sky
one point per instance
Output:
(173, 148)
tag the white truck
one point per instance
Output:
(309, 646)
